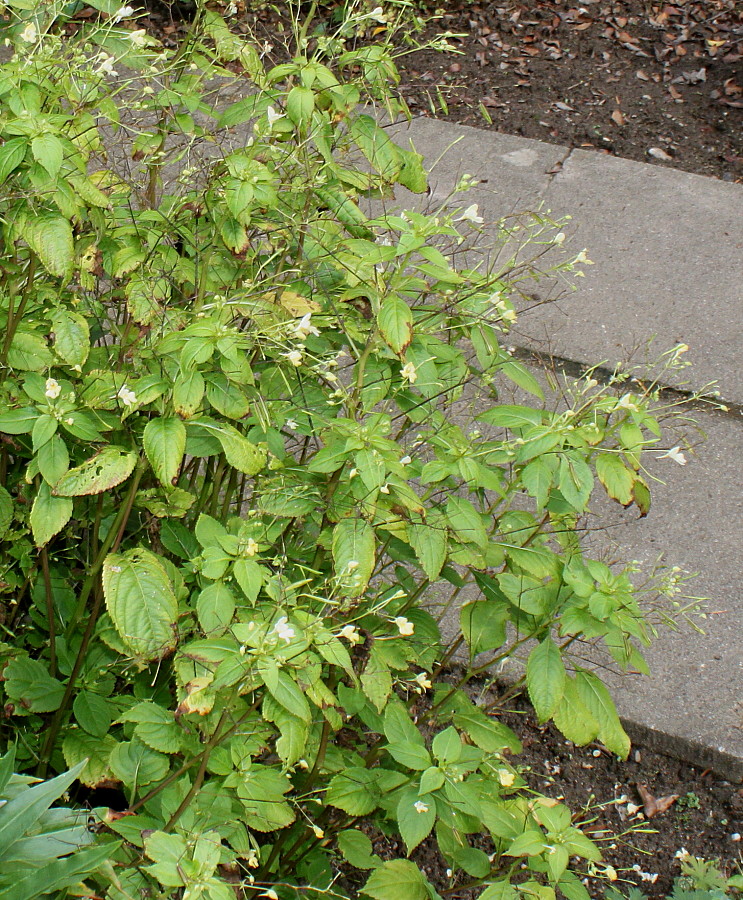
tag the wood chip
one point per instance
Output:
(618, 117)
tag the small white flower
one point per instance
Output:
(70, 421)
(252, 859)
(378, 15)
(505, 777)
(675, 454)
(305, 327)
(122, 13)
(385, 489)
(611, 873)
(735, 837)
(295, 357)
(127, 397)
(420, 806)
(352, 565)
(423, 680)
(683, 853)
(290, 423)
(682, 348)
(53, 390)
(353, 473)
(318, 832)
(632, 809)
(29, 34)
(273, 116)
(559, 238)
(251, 548)
(406, 460)
(351, 634)
(409, 373)
(404, 626)
(138, 38)
(284, 630)
(470, 215)
(107, 66)
(583, 259)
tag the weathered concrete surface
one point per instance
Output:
(667, 248)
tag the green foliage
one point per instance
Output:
(700, 879)
(240, 456)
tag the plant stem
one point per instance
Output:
(49, 599)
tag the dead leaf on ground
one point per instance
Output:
(654, 806)
(618, 117)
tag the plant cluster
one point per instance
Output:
(248, 425)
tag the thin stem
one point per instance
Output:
(49, 599)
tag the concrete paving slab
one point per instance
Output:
(668, 254)
(667, 248)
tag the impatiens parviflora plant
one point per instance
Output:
(238, 453)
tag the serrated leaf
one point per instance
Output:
(483, 625)
(430, 543)
(29, 352)
(19, 421)
(48, 151)
(12, 154)
(397, 879)
(545, 678)
(594, 694)
(71, 336)
(93, 713)
(94, 752)
(215, 608)
(615, 477)
(49, 515)
(108, 468)
(30, 687)
(164, 442)
(300, 102)
(50, 237)
(137, 765)
(357, 849)
(416, 816)
(353, 556)
(239, 452)
(354, 791)
(141, 602)
(406, 744)
(155, 726)
(376, 680)
(573, 717)
(395, 321)
(53, 460)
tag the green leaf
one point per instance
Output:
(137, 765)
(413, 173)
(57, 875)
(30, 687)
(353, 556)
(53, 460)
(300, 102)
(545, 678)
(594, 694)
(71, 336)
(93, 753)
(239, 452)
(415, 817)
(466, 522)
(12, 154)
(501, 890)
(354, 791)
(215, 608)
(49, 515)
(164, 442)
(93, 713)
(537, 479)
(6, 511)
(406, 743)
(145, 298)
(397, 879)
(376, 680)
(50, 237)
(18, 421)
(529, 843)
(188, 392)
(483, 625)
(486, 731)
(285, 691)
(430, 543)
(249, 575)
(514, 417)
(357, 849)
(575, 481)
(641, 496)
(375, 144)
(29, 352)
(155, 726)
(108, 468)
(395, 322)
(44, 429)
(141, 602)
(573, 717)
(48, 151)
(615, 477)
